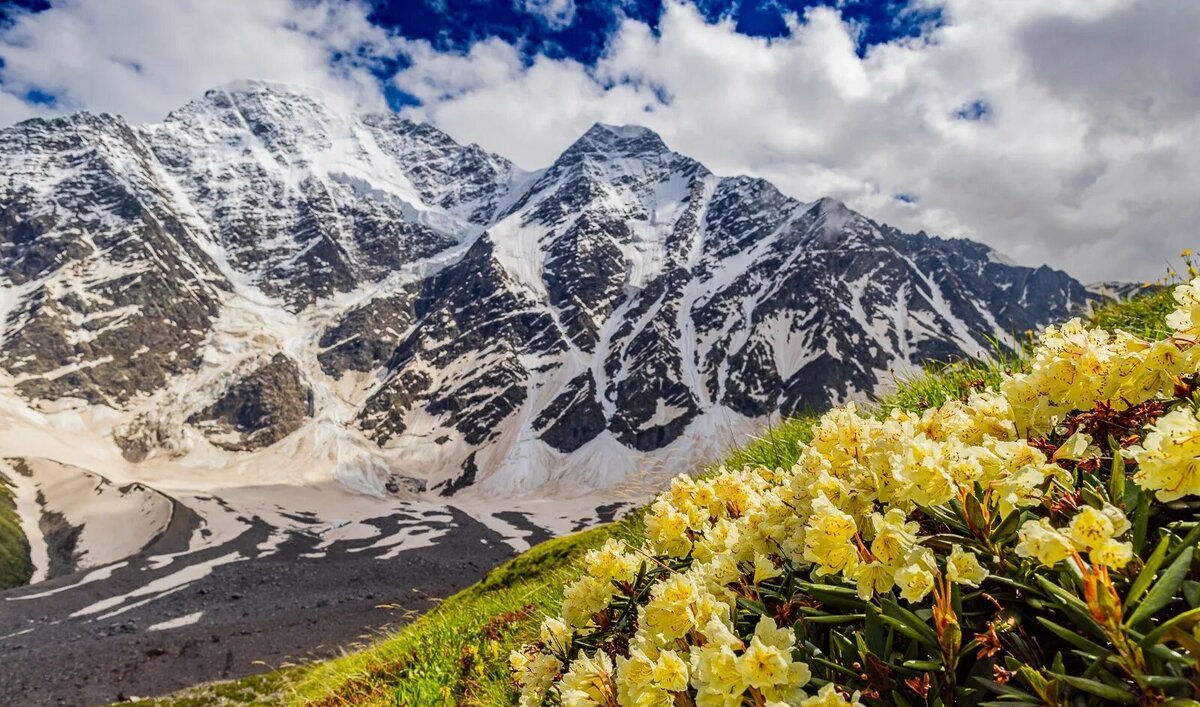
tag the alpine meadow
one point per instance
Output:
(599, 353)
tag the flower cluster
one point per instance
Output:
(884, 519)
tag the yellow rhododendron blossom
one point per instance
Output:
(962, 567)
(1039, 539)
(588, 681)
(828, 696)
(1186, 319)
(1089, 528)
(670, 672)
(1169, 458)
(1112, 553)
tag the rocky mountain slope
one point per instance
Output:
(266, 288)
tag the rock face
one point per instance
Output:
(432, 313)
(259, 410)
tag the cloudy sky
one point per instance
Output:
(1063, 132)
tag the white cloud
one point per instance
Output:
(557, 14)
(1088, 159)
(143, 58)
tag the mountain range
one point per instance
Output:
(267, 282)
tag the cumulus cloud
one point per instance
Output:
(1063, 133)
(557, 14)
(142, 58)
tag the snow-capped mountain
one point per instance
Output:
(266, 284)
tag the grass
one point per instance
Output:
(15, 565)
(456, 654)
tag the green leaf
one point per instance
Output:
(1099, 689)
(873, 631)
(911, 633)
(752, 606)
(975, 513)
(1142, 583)
(834, 618)
(1163, 590)
(1166, 682)
(1116, 482)
(1006, 527)
(1157, 634)
(916, 623)
(923, 665)
(1189, 540)
(1070, 605)
(1191, 593)
(1141, 518)
(1093, 649)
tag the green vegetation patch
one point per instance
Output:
(16, 568)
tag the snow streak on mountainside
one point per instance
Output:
(266, 288)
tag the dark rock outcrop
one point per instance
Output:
(258, 410)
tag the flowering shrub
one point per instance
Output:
(1027, 545)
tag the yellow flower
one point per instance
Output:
(588, 681)
(1112, 553)
(556, 635)
(962, 567)
(915, 582)
(828, 537)
(1037, 538)
(828, 696)
(765, 569)
(670, 672)
(873, 578)
(762, 665)
(1185, 320)
(1089, 528)
(667, 529)
(1169, 458)
(893, 535)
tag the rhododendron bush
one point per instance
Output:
(1031, 544)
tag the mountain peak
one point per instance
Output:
(260, 86)
(621, 140)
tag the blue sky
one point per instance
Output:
(1063, 132)
(573, 29)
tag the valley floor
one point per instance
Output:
(180, 613)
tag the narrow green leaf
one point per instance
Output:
(1157, 634)
(1189, 540)
(1006, 526)
(873, 631)
(923, 665)
(1163, 590)
(1116, 482)
(752, 606)
(1099, 689)
(1070, 605)
(834, 618)
(975, 513)
(1141, 518)
(1166, 682)
(902, 628)
(1093, 649)
(1142, 583)
(891, 608)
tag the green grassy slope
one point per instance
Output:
(456, 654)
(15, 567)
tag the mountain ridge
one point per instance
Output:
(461, 325)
